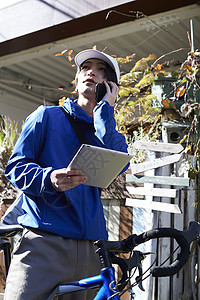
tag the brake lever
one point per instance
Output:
(127, 265)
(139, 277)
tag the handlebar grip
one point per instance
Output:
(175, 267)
(182, 242)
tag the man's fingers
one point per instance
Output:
(64, 179)
(112, 92)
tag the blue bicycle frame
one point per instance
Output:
(106, 280)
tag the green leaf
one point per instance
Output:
(1, 139)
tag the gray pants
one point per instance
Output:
(41, 261)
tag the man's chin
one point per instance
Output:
(89, 91)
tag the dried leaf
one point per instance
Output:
(180, 91)
(58, 54)
(152, 57)
(168, 104)
(183, 139)
(61, 101)
(159, 67)
(61, 53)
(70, 52)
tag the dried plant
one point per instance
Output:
(8, 135)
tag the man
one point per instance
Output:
(62, 216)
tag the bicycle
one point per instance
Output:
(108, 251)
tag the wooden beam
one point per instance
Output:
(156, 192)
(169, 180)
(157, 206)
(158, 146)
(156, 163)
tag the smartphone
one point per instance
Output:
(100, 91)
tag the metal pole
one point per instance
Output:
(192, 35)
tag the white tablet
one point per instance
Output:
(100, 165)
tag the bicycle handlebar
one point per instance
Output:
(182, 257)
(183, 238)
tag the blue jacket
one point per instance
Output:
(48, 142)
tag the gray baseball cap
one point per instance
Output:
(91, 53)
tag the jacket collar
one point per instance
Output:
(76, 111)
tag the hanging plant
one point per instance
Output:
(134, 108)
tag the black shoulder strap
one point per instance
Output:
(79, 132)
(77, 128)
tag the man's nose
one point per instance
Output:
(91, 72)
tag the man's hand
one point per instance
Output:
(112, 92)
(65, 179)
